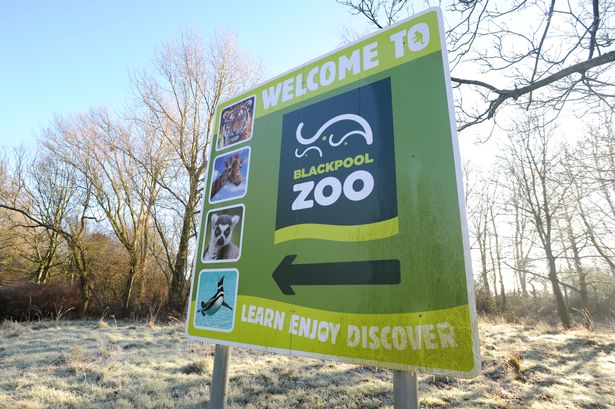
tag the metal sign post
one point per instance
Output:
(405, 390)
(219, 381)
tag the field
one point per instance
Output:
(96, 364)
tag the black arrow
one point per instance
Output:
(340, 273)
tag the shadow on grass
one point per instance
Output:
(313, 384)
(542, 376)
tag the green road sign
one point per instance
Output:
(333, 222)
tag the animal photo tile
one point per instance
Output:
(236, 123)
(229, 179)
(223, 234)
(216, 298)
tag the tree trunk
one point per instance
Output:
(534, 295)
(85, 294)
(42, 272)
(132, 273)
(587, 319)
(176, 295)
(45, 268)
(498, 266)
(519, 253)
(81, 265)
(590, 232)
(502, 290)
(557, 292)
(495, 281)
(484, 271)
(137, 266)
(565, 291)
(522, 282)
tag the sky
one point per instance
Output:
(66, 56)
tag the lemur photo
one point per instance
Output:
(236, 123)
(224, 232)
(230, 176)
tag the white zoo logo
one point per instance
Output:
(302, 201)
(365, 131)
(305, 188)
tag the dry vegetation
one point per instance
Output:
(86, 364)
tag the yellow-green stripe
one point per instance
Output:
(361, 232)
(456, 358)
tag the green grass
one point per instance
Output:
(86, 364)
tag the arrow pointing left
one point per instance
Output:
(369, 272)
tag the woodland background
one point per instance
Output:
(99, 218)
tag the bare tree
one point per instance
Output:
(138, 174)
(53, 199)
(496, 256)
(594, 160)
(52, 190)
(480, 203)
(522, 241)
(42, 188)
(532, 162)
(575, 241)
(178, 98)
(532, 53)
(104, 149)
(484, 211)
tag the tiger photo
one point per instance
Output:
(236, 123)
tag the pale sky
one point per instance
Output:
(66, 56)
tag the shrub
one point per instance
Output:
(27, 301)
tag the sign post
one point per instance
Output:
(405, 390)
(333, 223)
(219, 379)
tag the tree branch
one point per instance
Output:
(506, 94)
